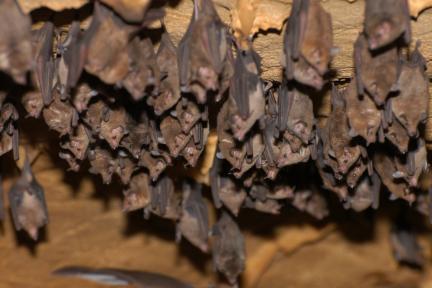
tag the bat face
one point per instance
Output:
(229, 248)
(82, 97)
(114, 128)
(143, 69)
(33, 103)
(137, 195)
(193, 224)
(27, 202)
(78, 142)
(288, 157)
(363, 115)
(15, 47)
(410, 106)
(385, 21)
(376, 72)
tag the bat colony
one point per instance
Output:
(132, 111)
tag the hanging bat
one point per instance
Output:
(231, 194)
(102, 162)
(138, 194)
(8, 124)
(143, 70)
(288, 157)
(59, 116)
(308, 43)
(164, 201)
(228, 248)
(405, 247)
(385, 21)
(33, 103)
(356, 171)
(16, 48)
(363, 116)
(413, 164)
(172, 133)
(376, 73)
(169, 89)
(74, 164)
(254, 143)
(125, 167)
(271, 150)
(110, 276)
(310, 201)
(71, 62)
(202, 52)
(300, 116)
(97, 112)
(187, 114)
(410, 105)
(82, 97)
(137, 137)
(365, 194)
(398, 136)
(27, 202)
(247, 92)
(194, 222)
(114, 127)
(155, 165)
(269, 206)
(78, 142)
(45, 68)
(105, 43)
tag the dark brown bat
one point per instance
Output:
(365, 194)
(310, 201)
(78, 142)
(247, 92)
(102, 162)
(255, 142)
(169, 89)
(71, 63)
(172, 133)
(363, 115)
(300, 116)
(143, 69)
(82, 97)
(45, 68)
(138, 194)
(105, 42)
(5, 142)
(410, 105)
(270, 206)
(16, 48)
(114, 127)
(125, 167)
(194, 222)
(288, 157)
(97, 112)
(385, 21)
(139, 279)
(164, 201)
(33, 103)
(385, 167)
(74, 164)
(398, 136)
(59, 116)
(271, 150)
(413, 164)
(228, 248)
(8, 124)
(137, 137)
(27, 202)
(280, 192)
(405, 247)
(356, 172)
(191, 153)
(187, 114)
(308, 42)
(202, 52)
(156, 165)
(376, 73)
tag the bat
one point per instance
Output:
(410, 105)
(398, 136)
(164, 201)
(102, 162)
(137, 137)
(194, 222)
(270, 206)
(376, 73)
(271, 150)
(45, 68)
(97, 112)
(155, 165)
(308, 43)
(27, 202)
(410, 166)
(110, 276)
(71, 62)
(247, 92)
(114, 127)
(16, 47)
(202, 52)
(169, 91)
(143, 70)
(228, 248)
(8, 123)
(191, 153)
(356, 172)
(59, 115)
(365, 194)
(82, 97)
(33, 103)
(255, 143)
(77, 142)
(172, 133)
(5, 142)
(385, 21)
(363, 115)
(288, 157)
(125, 167)
(405, 247)
(300, 116)
(311, 202)
(74, 164)
(188, 115)
(138, 194)
(105, 45)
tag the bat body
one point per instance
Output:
(45, 67)
(137, 137)
(59, 115)
(365, 194)
(27, 202)
(311, 202)
(174, 138)
(102, 162)
(164, 201)
(114, 127)
(109, 276)
(138, 194)
(398, 136)
(78, 142)
(125, 167)
(229, 248)
(155, 164)
(405, 246)
(82, 97)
